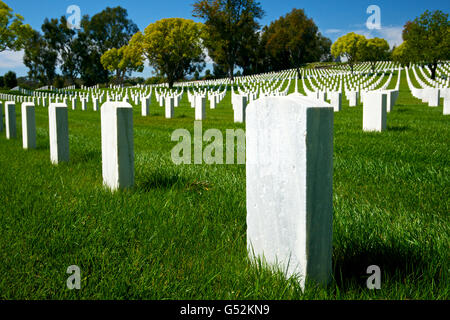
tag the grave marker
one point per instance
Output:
(289, 185)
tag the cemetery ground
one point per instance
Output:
(180, 233)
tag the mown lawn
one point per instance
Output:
(181, 232)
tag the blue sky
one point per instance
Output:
(334, 18)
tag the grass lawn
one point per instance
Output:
(181, 232)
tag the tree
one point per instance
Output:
(110, 28)
(374, 50)
(350, 46)
(400, 54)
(294, 40)
(40, 59)
(428, 39)
(230, 27)
(123, 61)
(10, 80)
(2, 82)
(60, 38)
(106, 30)
(173, 47)
(13, 33)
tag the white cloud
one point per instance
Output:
(11, 59)
(393, 35)
(333, 31)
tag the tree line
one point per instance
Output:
(109, 46)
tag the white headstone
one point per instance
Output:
(1, 117)
(289, 185)
(336, 101)
(59, 133)
(169, 108)
(10, 120)
(28, 126)
(117, 145)
(239, 106)
(200, 108)
(145, 107)
(374, 111)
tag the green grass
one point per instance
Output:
(180, 233)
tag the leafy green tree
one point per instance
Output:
(172, 46)
(294, 40)
(218, 71)
(231, 28)
(351, 46)
(123, 61)
(40, 59)
(60, 38)
(106, 30)
(374, 50)
(13, 33)
(10, 80)
(400, 54)
(428, 39)
(2, 83)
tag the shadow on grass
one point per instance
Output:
(397, 128)
(394, 262)
(160, 180)
(83, 157)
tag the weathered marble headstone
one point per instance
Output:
(375, 111)
(239, 106)
(145, 107)
(353, 98)
(200, 108)
(289, 185)
(1, 116)
(117, 145)
(446, 106)
(169, 108)
(10, 120)
(95, 104)
(433, 97)
(336, 101)
(28, 125)
(59, 132)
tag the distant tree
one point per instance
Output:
(374, 50)
(428, 39)
(60, 38)
(208, 75)
(13, 33)
(123, 61)
(231, 28)
(106, 30)
(10, 80)
(173, 47)
(2, 82)
(196, 75)
(400, 54)
(294, 40)
(218, 71)
(351, 46)
(59, 82)
(40, 59)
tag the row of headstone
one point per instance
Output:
(116, 130)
